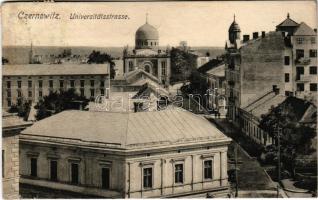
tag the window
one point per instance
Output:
(19, 93)
(8, 84)
(30, 84)
(102, 84)
(61, 83)
(102, 92)
(8, 93)
(299, 71)
(30, 94)
(82, 92)
(3, 163)
(40, 83)
(105, 178)
(72, 83)
(82, 83)
(313, 70)
(313, 53)
(286, 77)
(299, 53)
(300, 40)
(74, 173)
(287, 60)
(208, 169)
(313, 87)
(92, 92)
(9, 103)
(148, 177)
(92, 83)
(53, 170)
(19, 84)
(163, 65)
(313, 40)
(178, 173)
(131, 66)
(51, 83)
(34, 167)
(40, 93)
(300, 87)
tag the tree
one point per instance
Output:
(57, 102)
(22, 108)
(183, 64)
(101, 58)
(295, 137)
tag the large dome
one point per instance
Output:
(147, 32)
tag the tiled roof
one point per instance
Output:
(263, 105)
(304, 29)
(54, 69)
(288, 22)
(128, 130)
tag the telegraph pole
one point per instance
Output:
(236, 176)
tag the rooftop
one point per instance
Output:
(54, 69)
(217, 71)
(10, 121)
(304, 30)
(128, 130)
(263, 105)
(210, 65)
(288, 23)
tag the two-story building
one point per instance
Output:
(169, 153)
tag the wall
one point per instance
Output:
(10, 180)
(163, 173)
(262, 66)
(90, 164)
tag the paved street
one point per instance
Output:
(252, 179)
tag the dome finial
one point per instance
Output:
(234, 17)
(146, 18)
(288, 15)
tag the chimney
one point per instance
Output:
(246, 38)
(263, 34)
(255, 35)
(275, 89)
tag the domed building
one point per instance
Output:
(147, 61)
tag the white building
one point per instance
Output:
(170, 153)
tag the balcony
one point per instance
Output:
(302, 61)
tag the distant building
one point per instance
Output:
(12, 125)
(214, 72)
(34, 81)
(147, 56)
(126, 155)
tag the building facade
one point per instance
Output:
(33, 82)
(12, 125)
(252, 68)
(302, 58)
(147, 55)
(127, 155)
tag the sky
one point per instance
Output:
(198, 23)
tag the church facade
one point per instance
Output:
(147, 58)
